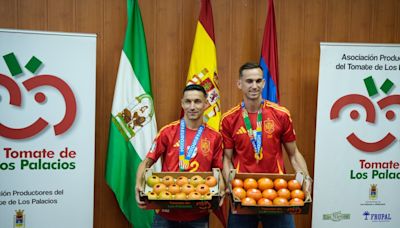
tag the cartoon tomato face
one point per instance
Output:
(366, 103)
(36, 127)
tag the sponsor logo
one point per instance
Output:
(32, 84)
(373, 197)
(370, 110)
(241, 131)
(336, 216)
(19, 219)
(377, 217)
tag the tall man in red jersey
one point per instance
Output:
(253, 134)
(185, 145)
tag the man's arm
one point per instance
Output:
(299, 164)
(227, 164)
(146, 163)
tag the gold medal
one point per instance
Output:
(259, 156)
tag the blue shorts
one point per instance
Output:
(267, 220)
(160, 222)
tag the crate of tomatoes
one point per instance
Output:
(184, 190)
(265, 193)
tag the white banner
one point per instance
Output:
(47, 126)
(357, 158)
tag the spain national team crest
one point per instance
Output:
(135, 116)
(269, 126)
(19, 219)
(205, 147)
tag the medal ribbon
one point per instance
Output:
(184, 160)
(254, 135)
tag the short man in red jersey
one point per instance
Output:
(253, 134)
(191, 132)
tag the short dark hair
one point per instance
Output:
(248, 66)
(195, 87)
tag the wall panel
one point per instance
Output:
(170, 28)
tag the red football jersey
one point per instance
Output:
(277, 128)
(207, 155)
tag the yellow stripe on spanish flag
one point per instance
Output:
(203, 65)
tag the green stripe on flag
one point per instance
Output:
(126, 153)
(135, 46)
(123, 159)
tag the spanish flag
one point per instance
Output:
(203, 64)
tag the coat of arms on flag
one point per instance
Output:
(135, 116)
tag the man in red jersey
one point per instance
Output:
(253, 133)
(184, 145)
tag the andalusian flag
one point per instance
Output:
(269, 57)
(133, 123)
(203, 64)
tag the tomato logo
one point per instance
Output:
(369, 107)
(32, 83)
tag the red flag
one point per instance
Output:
(269, 57)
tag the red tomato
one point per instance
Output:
(297, 194)
(265, 183)
(293, 184)
(264, 202)
(237, 183)
(279, 201)
(280, 183)
(269, 194)
(254, 193)
(248, 201)
(284, 193)
(239, 192)
(296, 202)
(250, 183)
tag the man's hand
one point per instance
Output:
(307, 188)
(141, 204)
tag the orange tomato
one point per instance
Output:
(158, 188)
(284, 193)
(297, 194)
(239, 192)
(168, 180)
(194, 196)
(182, 180)
(269, 194)
(202, 189)
(264, 202)
(265, 183)
(280, 201)
(211, 181)
(187, 189)
(173, 189)
(293, 184)
(237, 183)
(296, 202)
(180, 196)
(280, 183)
(248, 201)
(250, 183)
(254, 193)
